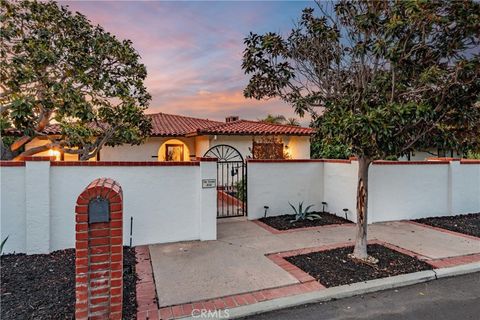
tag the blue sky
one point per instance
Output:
(193, 50)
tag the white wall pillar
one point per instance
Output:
(37, 205)
(208, 199)
(454, 187)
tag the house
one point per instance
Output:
(181, 138)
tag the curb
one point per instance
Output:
(457, 270)
(350, 290)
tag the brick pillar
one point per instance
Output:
(99, 254)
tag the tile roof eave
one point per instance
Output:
(248, 133)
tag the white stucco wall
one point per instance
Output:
(396, 191)
(340, 185)
(274, 184)
(147, 151)
(399, 192)
(12, 214)
(298, 146)
(167, 203)
(467, 188)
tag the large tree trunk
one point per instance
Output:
(360, 250)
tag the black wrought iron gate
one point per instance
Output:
(231, 181)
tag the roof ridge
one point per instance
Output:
(276, 124)
(182, 116)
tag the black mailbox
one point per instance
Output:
(98, 210)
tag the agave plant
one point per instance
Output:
(3, 244)
(302, 214)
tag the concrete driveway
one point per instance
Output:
(236, 262)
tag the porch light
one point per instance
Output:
(266, 209)
(346, 213)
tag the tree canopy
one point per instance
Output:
(385, 77)
(379, 77)
(59, 71)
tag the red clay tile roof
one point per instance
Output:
(246, 127)
(175, 125)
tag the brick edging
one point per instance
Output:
(10, 163)
(276, 231)
(147, 306)
(237, 300)
(454, 261)
(123, 163)
(297, 160)
(469, 161)
(394, 163)
(279, 257)
(455, 233)
(376, 162)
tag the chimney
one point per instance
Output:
(231, 119)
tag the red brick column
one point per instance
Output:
(99, 254)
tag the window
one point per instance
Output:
(174, 152)
(268, 150)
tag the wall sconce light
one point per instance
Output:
(54, 153)
(266, 209)
(346, 213)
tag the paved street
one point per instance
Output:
(445, 299)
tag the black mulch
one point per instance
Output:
(283, 222)
(42, 286)
(464, 223)
(334, 268)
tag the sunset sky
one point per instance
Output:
(193, 50)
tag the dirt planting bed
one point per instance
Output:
(42, 286)
(334, 268)
(283, 222)
(464, 223)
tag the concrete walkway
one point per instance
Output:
(236, 262)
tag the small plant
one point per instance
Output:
(302, 214)
(3, 244)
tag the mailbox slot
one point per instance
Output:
(98, 210)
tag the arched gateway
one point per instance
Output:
(231, 181)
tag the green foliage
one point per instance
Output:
(473, 155)
(241, 188)
(327, 147)
(274, 119)
(57, 68)
(384, 77)
(302, 214)
(3, 244)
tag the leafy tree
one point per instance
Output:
(280, 119)
(323, 146)
(274, 119)
(387, 75)
(292, 122)
(60, 72)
